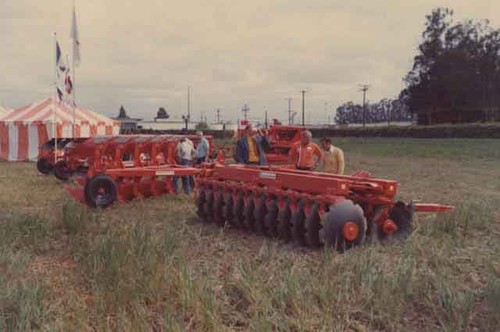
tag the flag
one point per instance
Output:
(68, 83)
(59, 94)
(61, 65)
(76, 40)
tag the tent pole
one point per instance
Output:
(54, 125)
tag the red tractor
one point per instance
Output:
(49, 154)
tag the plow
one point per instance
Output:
(309, 208)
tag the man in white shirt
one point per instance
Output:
(185, 152)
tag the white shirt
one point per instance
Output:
(185, 150)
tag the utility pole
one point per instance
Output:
(265, 119)
(245, 110)
(326, 118)
(290, 118)
(218, 115)
(303, 106)
(364, 88)
(189, 107)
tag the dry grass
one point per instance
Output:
(148, 266)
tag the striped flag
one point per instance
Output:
(76, 40)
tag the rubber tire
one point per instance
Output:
(228, 208)
(402, 215)
(260, 215)
(298, 224)
(313, 227)
(218, 208)
(61, 171)
(208, 207)
(200, 202)
(238, 208)
(94, 184)
(248, 214)
(338, 215)
(44, 166)
(284, 225)
(271, 219)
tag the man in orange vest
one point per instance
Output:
(306, 155)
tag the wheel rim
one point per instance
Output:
(102, 195)
(350, 230)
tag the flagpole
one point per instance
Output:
(54, 126)
(73, 88)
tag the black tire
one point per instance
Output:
(284, 225)
(218, 209)
(100, 191)
(248, 214)
(238, 208)
(313, 227)
(402, 215)
(298, 224)
(209, 205)
(62, 171)
(338, 215)
(228, 208)
(271, 219)
(200, 202)
(260, 215)
(44, 166)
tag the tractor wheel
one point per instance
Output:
(271, 219)
(62, 171)
(239, 206)
(208, 207)
(298, 227)
(284, 226)
(248, 214)
(218, 209)
(313, 226)
(227, 210)
(402, 215)
(260, 215)
(200, 202)
(44, 166)
(100, 191)
(345, 226)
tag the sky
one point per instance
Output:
(144, 54)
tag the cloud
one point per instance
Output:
(143, 55)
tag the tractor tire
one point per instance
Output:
(284, 225)
(209, 206)
(218, 209)
(248, 214)
(313, 227)
(271, 219)
(228, 208)
(298, 227)
(238, 208)
(62, 171)
(44, 166)
(402, 215)
(260, 215)
(200, 202)
(345, 226)
(100, 191)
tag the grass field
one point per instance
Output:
(149, 266)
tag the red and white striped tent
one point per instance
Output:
(3, 112)
(23, 130)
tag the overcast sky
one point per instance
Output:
(144, 54)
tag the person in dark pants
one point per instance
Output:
(202, 149)
(185, 153)
(251, 148)
(306, 155)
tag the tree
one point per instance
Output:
(456, 72)
(162, 114)
(122, 113)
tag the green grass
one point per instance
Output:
(146, 265)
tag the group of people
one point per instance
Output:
(304, 155)
(251, 150)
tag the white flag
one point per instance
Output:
(76, 40)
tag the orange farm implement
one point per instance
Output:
(310, 208)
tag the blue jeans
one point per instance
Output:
(186, 180)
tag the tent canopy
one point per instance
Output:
(3, 112)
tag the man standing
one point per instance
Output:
(334, 157)
(202, 149)
(251, 148)
(185, 152)
(306, 155)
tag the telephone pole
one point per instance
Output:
(265, 120)
(218, 115)
(364, 88)
(189, 107)
(290, 118)
(303, 107)
(245, 111)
